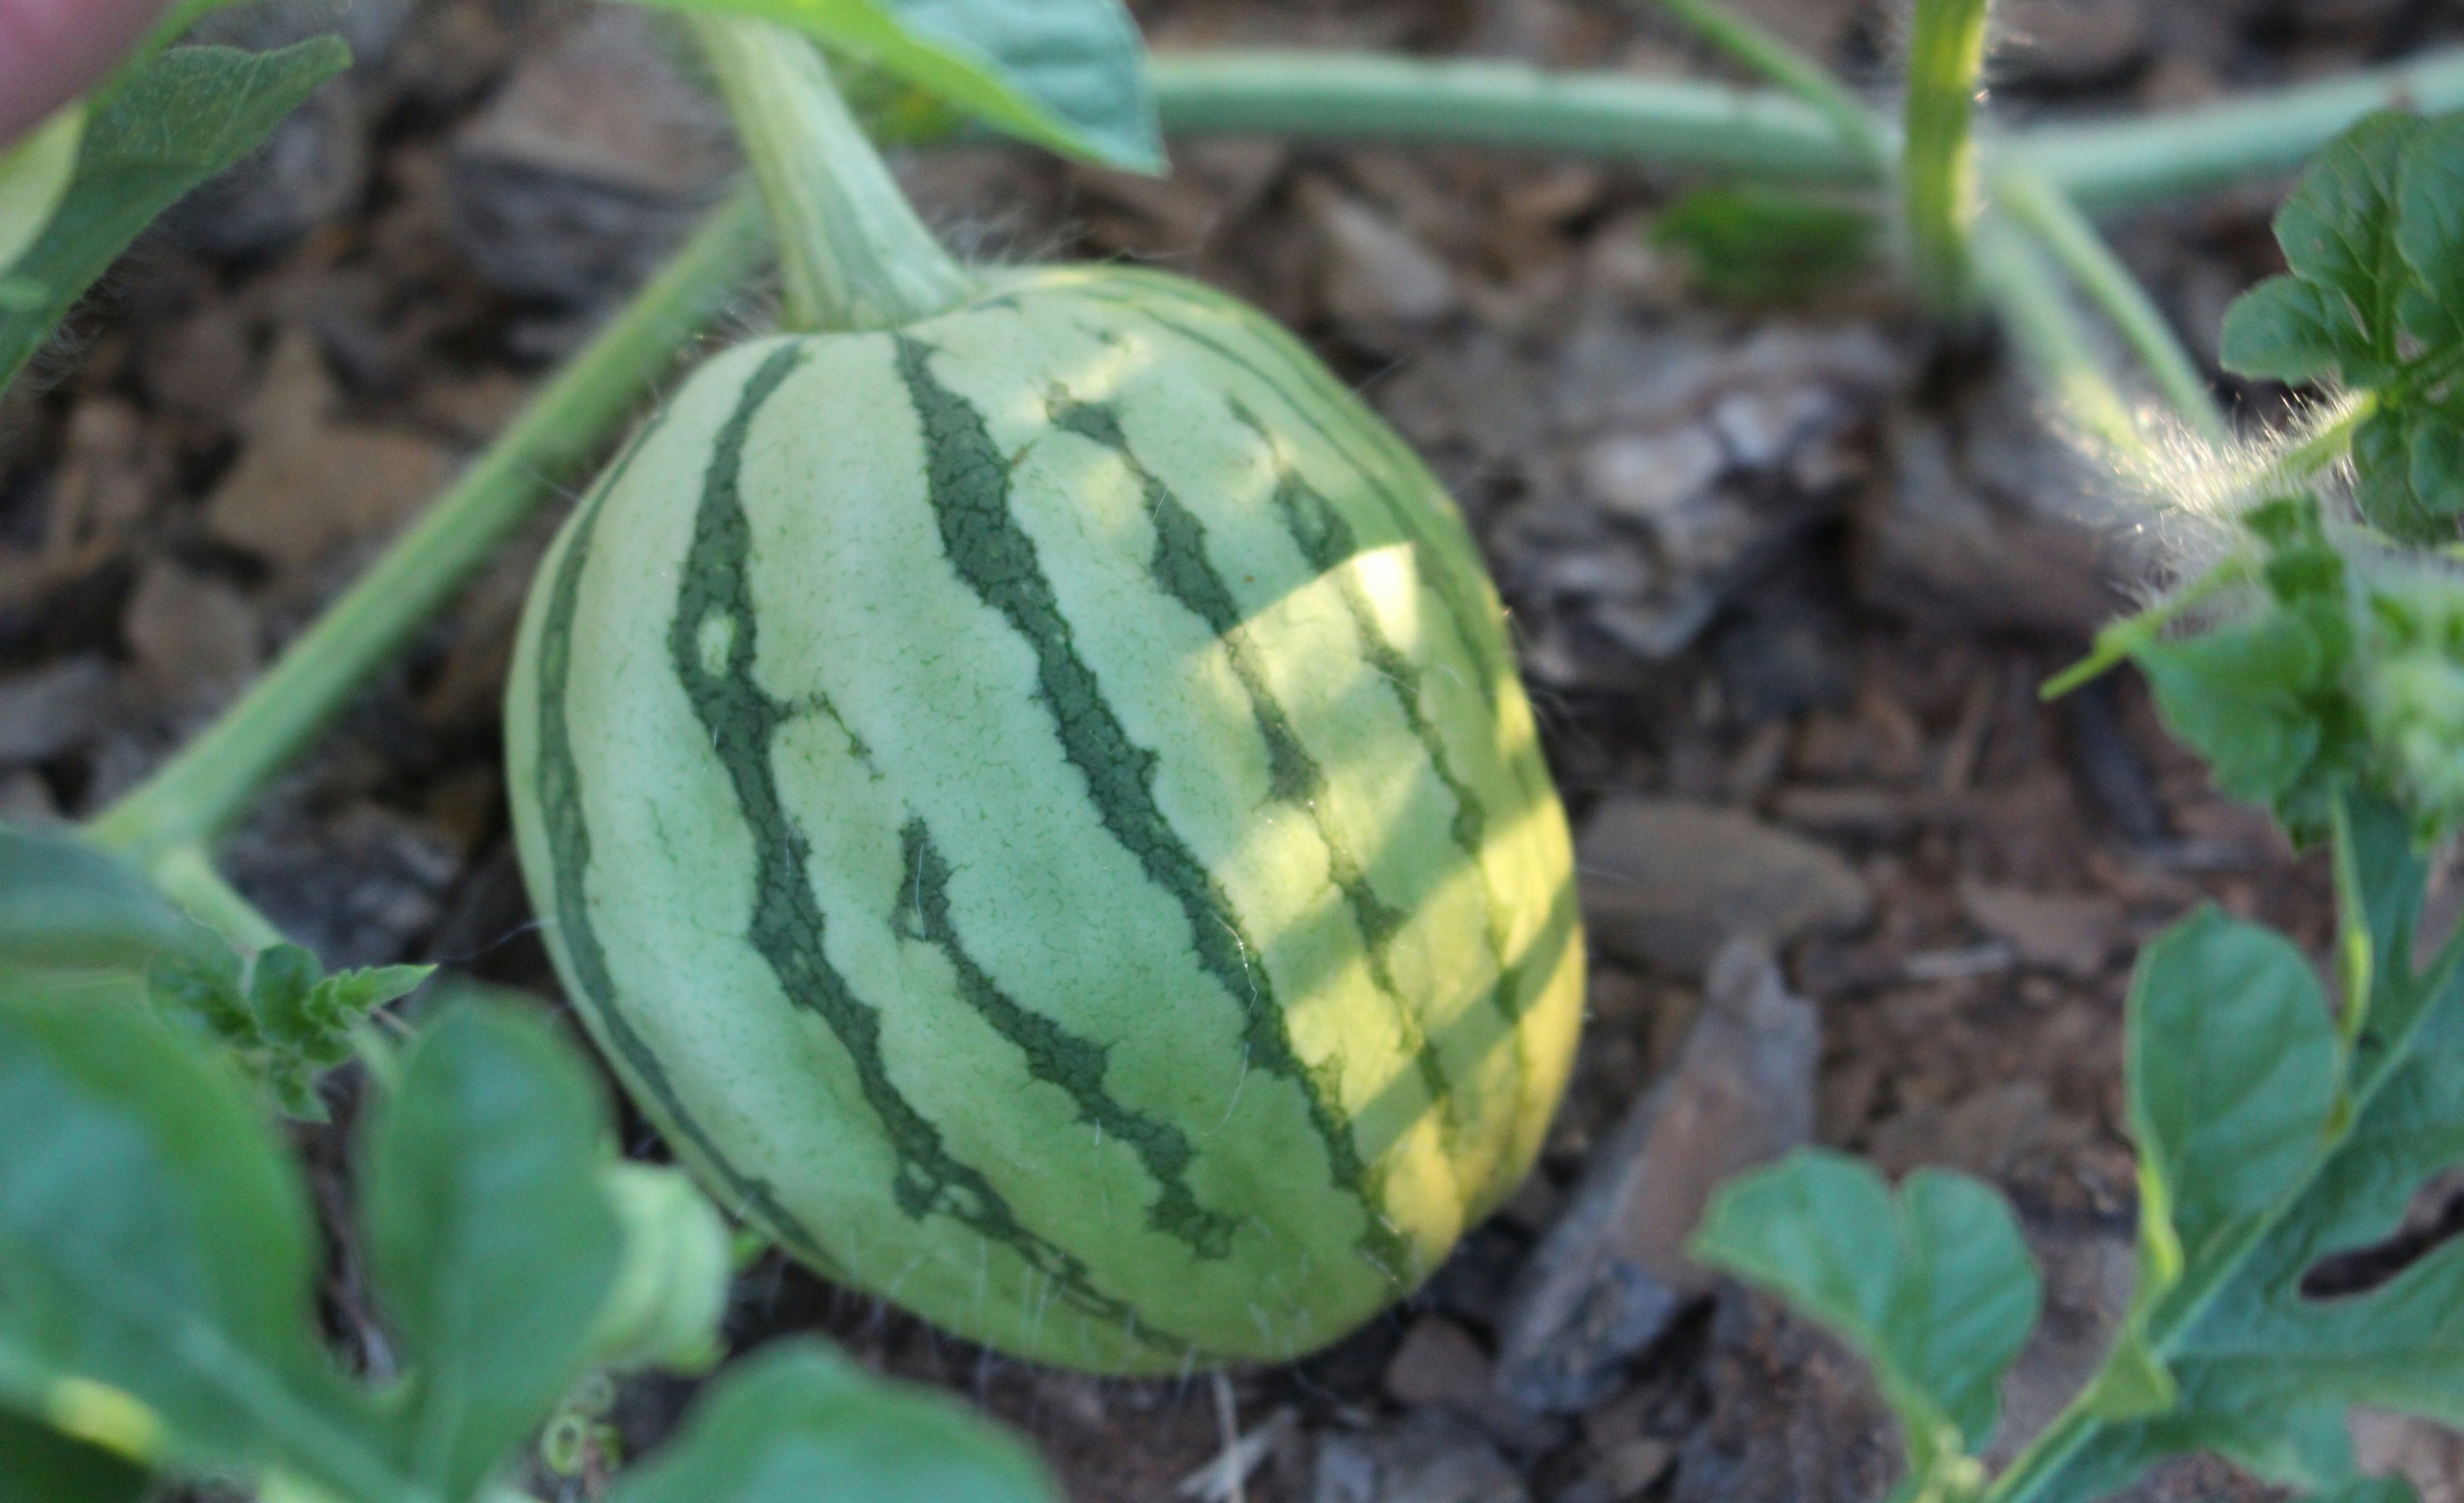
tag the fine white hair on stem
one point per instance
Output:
(1014, 233)
(2171, 497)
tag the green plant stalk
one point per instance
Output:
(2017, 280)
(1360, 97)
(2118, 640)
(852, 252)
(2043, 209)
(2113, 163)
(1790, 70)
(200, 792)
(2355, 965)
(1674, 123)
(185, 876)
(2325, 444)
(1938, 164)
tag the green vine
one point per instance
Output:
(852, 253)
(1696, 126)
(201, 791)
(1938, 173)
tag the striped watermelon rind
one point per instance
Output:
(1039, 809)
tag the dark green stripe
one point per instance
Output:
(568, 832)
(1540, 958)
(968, 478)
(1465, 615)
(1058, 1056)
(1326, 540)
(714, 609)
(1182, 570)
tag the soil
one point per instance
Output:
(283, 374)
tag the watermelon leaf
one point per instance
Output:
(2274, 1145)
(2245, 697)
(159, 1252)
(2338, 230)
(490, 1239)
(35, 174)
(172, 122)
(280, 1013)
(2265, 1345)
(801, 1424)
(2277, 697)
(2331, 676)
(2373, 234)
(2286, 329)
(158, 1309)
(1069, 75)
(1932, 1287)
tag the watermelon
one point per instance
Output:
(1037, 805)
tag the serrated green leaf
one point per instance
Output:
(1935, 1289)
(305, 1019)
(1754, 243)
(212, 993)
(280, 1015)
(345, 997)
(2375, 234)
(157, 1268)
(171, 124)
(2134, 1382)
(491, 1243)
(2286, 329)
(2337, 230)
(279, 985)
(1969, 1294)
(2245, 697)
(2435, 452)
(42, 1466)
(800, 1424)
(2382, 461)
(1067, 74)
(159, 1259)
(2412, 695)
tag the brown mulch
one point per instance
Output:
(272, 385)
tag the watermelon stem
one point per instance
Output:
(852, 252)
(204, 789)
(2103, 164)
(1938, 169)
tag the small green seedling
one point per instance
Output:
(158, 1311)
